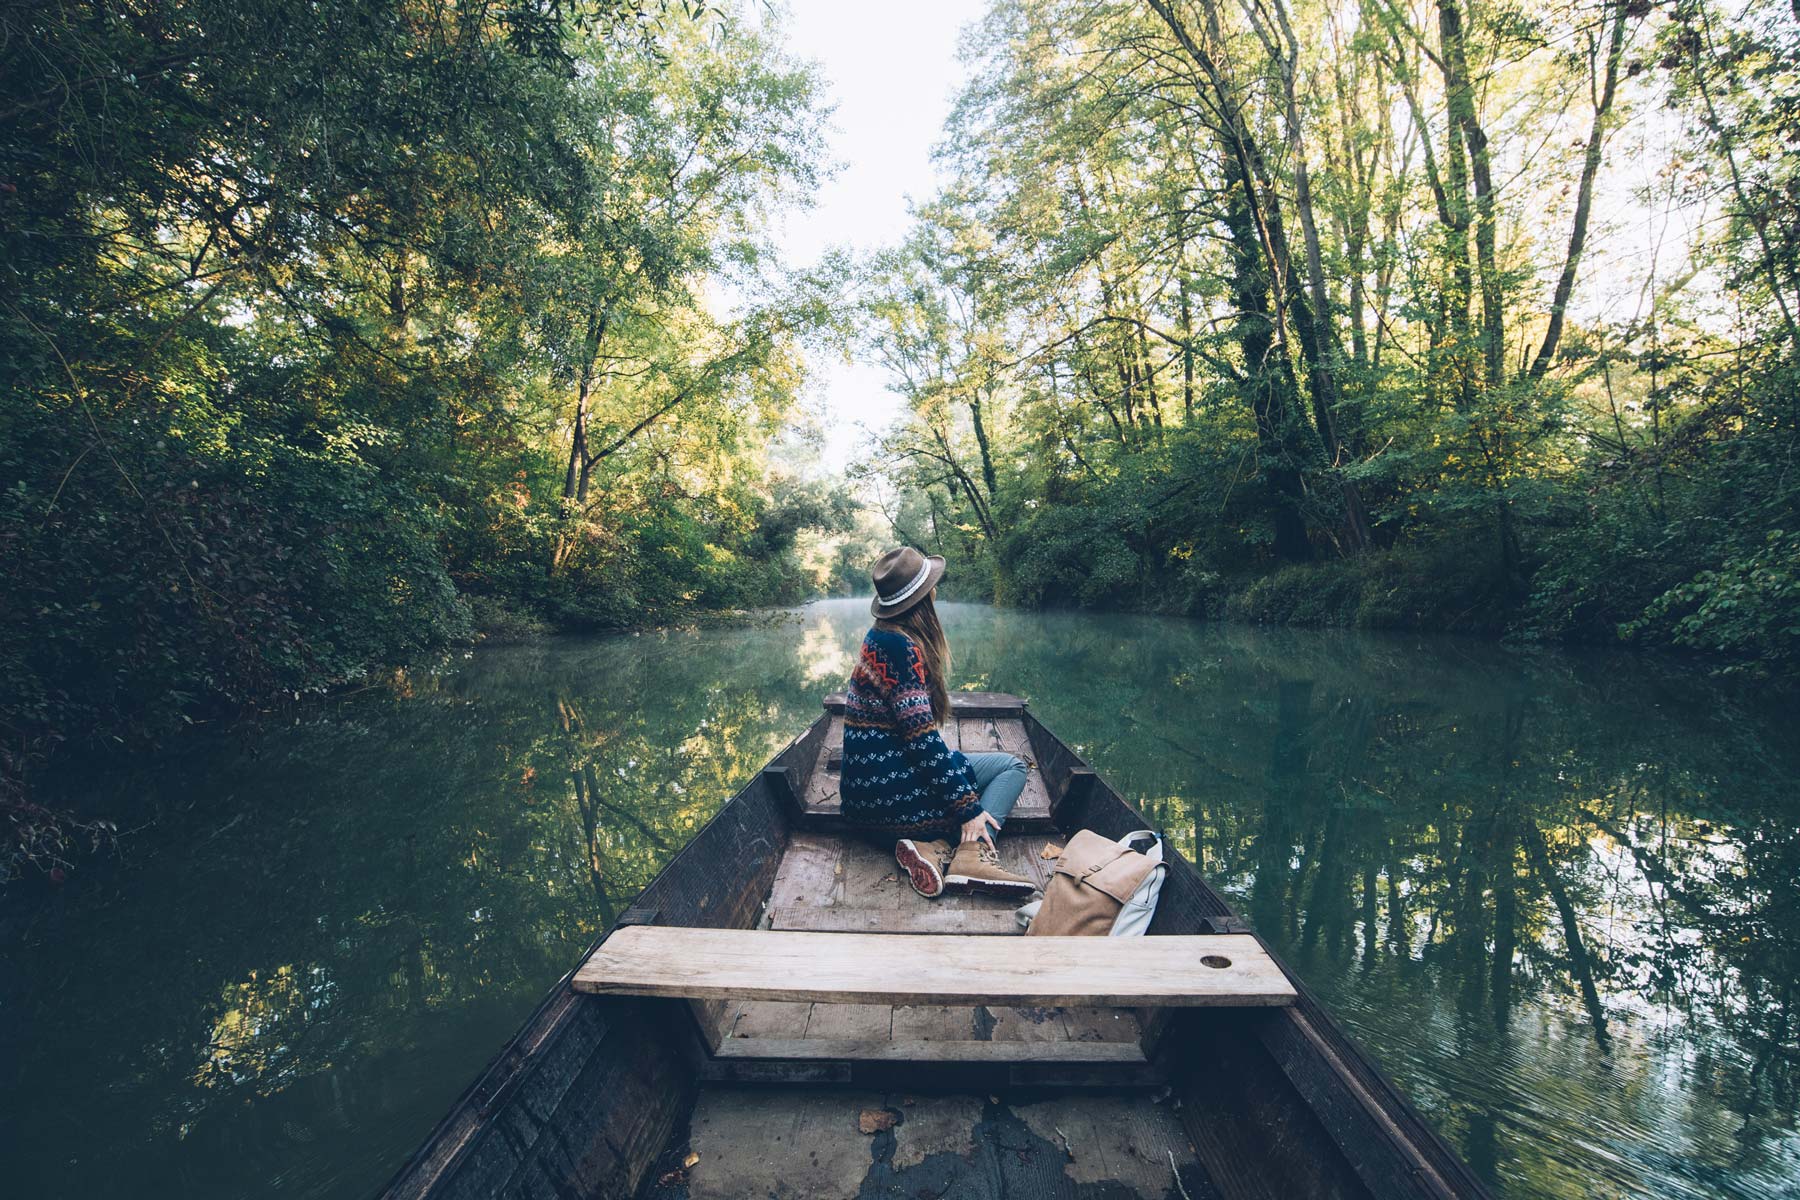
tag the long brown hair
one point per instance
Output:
(920, 623)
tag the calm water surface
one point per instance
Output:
(1558, 896)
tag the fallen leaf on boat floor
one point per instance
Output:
(692, 1158)
(875, 1120)
(1051, 851)
(890, 878)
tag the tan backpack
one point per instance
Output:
(1094, 879)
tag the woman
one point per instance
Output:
(899, 779)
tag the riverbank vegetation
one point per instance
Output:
(332, 332)
(1455, 315)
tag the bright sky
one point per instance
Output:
(892, 72)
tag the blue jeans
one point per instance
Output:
(1000, 777)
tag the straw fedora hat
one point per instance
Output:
(903, 577)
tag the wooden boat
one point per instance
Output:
(780, 1015)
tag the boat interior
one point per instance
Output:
(781, 1015)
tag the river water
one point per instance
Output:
(1556, 895)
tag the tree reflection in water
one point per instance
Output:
(1555, 895)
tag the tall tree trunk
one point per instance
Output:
(1323, 387)
(1354, 224)
(1459, 99)
(1267, 383)
(1584, 196)
(973, 493)
(981, 440)
(575, 479)
(1327, 396)
(1244, 156)
(1449, 331)
(578, 442)
(1148, 371)
(1187, 344)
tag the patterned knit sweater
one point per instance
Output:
(898, 773)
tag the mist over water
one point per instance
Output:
(1556, 895)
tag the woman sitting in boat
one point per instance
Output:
(899, 779)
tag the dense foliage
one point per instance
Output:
(1464, 314)
(332, 331)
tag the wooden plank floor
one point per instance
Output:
(825, 877)
(979, 731)
(836, 884)
(808, 1142)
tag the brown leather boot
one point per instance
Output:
(975, 867)
(924, 863)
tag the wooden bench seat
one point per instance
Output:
(1229, 970)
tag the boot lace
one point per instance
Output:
(989, 856)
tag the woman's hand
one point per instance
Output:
(977, 829)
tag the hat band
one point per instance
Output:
(909, 589)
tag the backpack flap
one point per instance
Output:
(1105, 865)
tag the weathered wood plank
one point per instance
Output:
(785, 777)
(870, 968)
(712, 1018)
(897, 1050)
(1024, 856)
(977, 734)
(1003, 734)
(1086, 1024)
(821, 782)
(770, 1019)
(858, 1022)
(1034, 801)
(1371, 1139)
(808, 875)
(614, 1118)
(870, 878)
(1012, 737)
(934, 1023)
(1031, 1023)
(924, 917)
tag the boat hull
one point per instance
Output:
(598, 1095)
